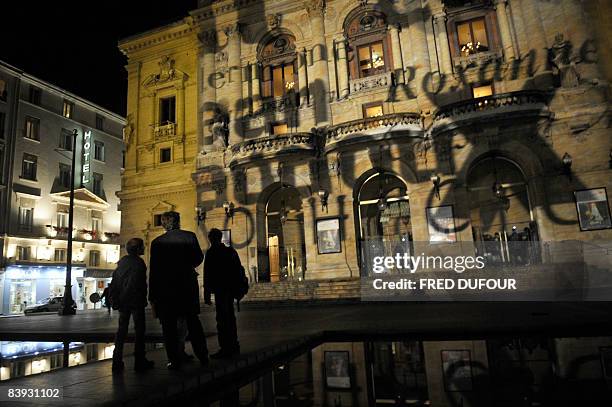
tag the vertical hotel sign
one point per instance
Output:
(85, 162)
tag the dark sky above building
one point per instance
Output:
(73, 43)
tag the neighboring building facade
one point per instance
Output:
(317, 133)
(37, 121)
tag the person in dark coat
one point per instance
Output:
(173, 287)
(221, 274)
(129, 296)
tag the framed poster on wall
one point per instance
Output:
(457, 370)
(328, 235)
(593, 209)
(441, 224)
(337, 370)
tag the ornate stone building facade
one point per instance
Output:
(317, 131)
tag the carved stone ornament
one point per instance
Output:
(128, 129)
(563, 62)
(231, 30)
(167, 72)
(208, 38)
(315, 7)
(273, 21)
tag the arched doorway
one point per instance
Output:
(383, 216)
(286, 245)
(502, 221)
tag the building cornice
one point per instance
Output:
(174, 31)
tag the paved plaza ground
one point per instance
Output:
(270, 333)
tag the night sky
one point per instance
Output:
(73, 43)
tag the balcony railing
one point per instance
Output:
(373, 128)
(505, 105)
(272, 146)
(164, 130)
(382, 80)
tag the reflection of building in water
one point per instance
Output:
(371, 113)
(37, 120)
(510, 372)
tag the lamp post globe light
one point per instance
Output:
(69, 308)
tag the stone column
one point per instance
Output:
(319, 83)
(302, 77)
(247, 101)
(208, 93)
(398, 65)
(446, 65)
(504, 28)
(420, 53)
(342, 62)
(536, 35)
(255, 93)
(233, 82)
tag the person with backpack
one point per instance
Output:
(128, 294)
(224, 276)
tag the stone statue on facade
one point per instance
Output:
(220, 128)
(564, 65)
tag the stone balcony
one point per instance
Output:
(267, 147)
(514, 105)
(389, 126)
(163, 131)
(382, 80)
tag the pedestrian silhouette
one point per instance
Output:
(222, 277)
(174, 290)
(128, 294)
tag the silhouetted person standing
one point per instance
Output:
(128, 294)
(173, 287)
(221, 274)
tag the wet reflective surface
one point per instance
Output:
(505, 372)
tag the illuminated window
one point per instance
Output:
(28, 167)
(62, 220)
(68, 109)
(371, 59)
(26, 216)
(96, 224)
(94, 258)
(472, 36)
(23, 252)
(373, 110)
(165, 155)
(482, 91)
(59, 255)
(32, 128)
(368, 51)
(279, 128)
(167, 110)
(279, 76)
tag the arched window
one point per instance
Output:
(369, 50)
(279, 64)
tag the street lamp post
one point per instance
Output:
(68, 308)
